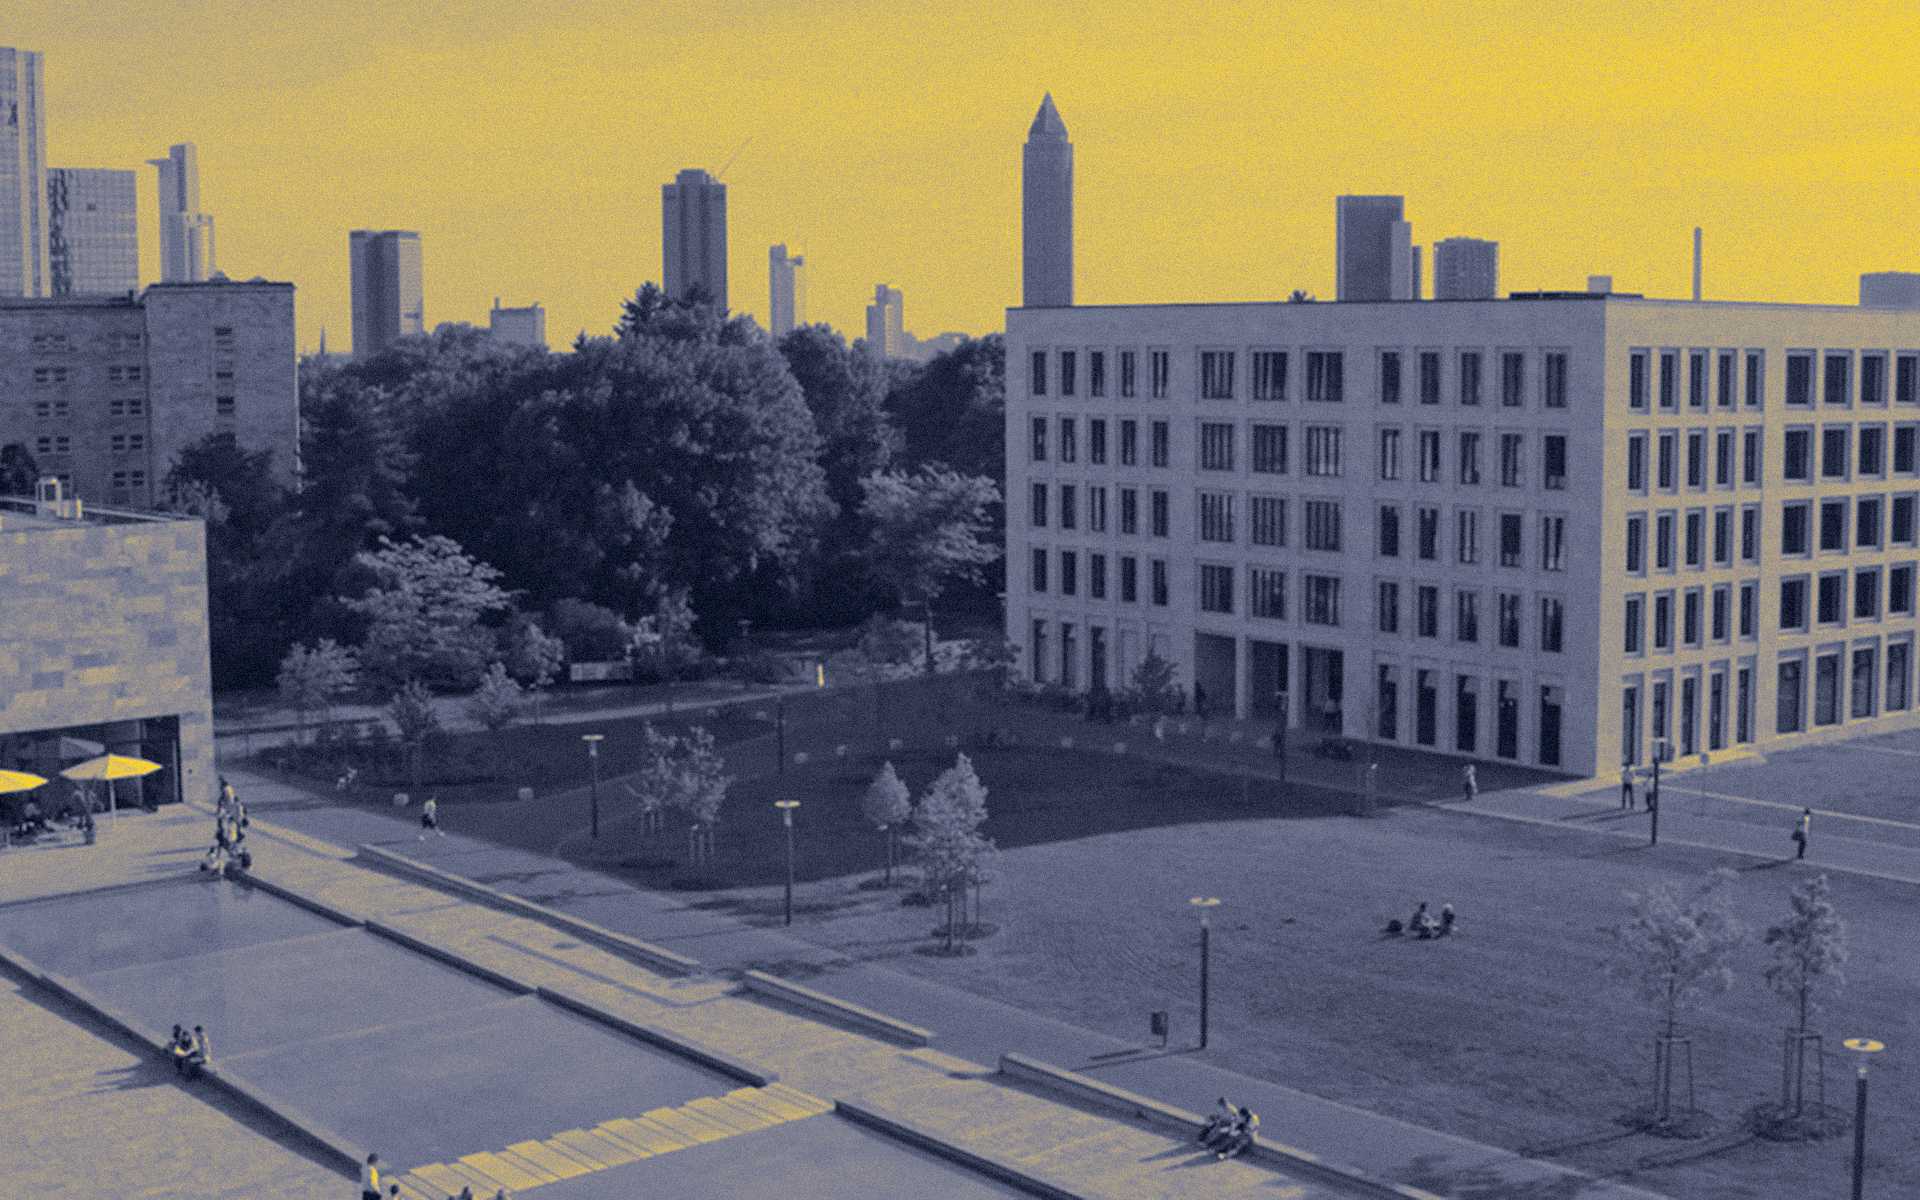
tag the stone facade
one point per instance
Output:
(106, 623)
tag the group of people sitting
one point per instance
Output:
(190, 1051)
(1424, 924)
(1229, 1131)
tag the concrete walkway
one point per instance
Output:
(969, 1028)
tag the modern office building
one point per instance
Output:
(1466, 269)
(886, 322)
(105, 392)
(387, 298)
(1046, 211)
(24, 270)
(93, 240)
(1373, 249)
(693, 212)
(518, 326)
(785, 303)
(105, 644)
(1553, 529)
(1890, 289)
(186, 233)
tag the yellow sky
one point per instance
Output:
(528, 142)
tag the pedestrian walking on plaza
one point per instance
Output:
(1800, 832)
(430, 819)
(228, 797)
(1626, 787)
(370, 1178)
(1469, 783)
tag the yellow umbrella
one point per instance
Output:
(19, 781)
(110, 767)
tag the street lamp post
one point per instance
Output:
(1206, 905)
(786, 808)
(593, 741)
(1865, 1048)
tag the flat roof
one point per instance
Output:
(20, 514)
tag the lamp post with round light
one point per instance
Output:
(1866, 1048)
(593, 741)
(1206, 905)
(786, 808)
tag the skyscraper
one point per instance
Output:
(783, 284)
(93, 246)
(1466, 269)
(387, 302)
(887, 322)
(1374, 246)
(1046, 211)
(23, 175)
(186, 233)
(694, 235)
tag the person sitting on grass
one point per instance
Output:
(1446, 921)
(1216, 1125)
(1239, 1136)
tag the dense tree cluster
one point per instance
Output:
(684, 468)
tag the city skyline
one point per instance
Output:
(1545, 169)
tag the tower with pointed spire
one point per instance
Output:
(1046, 226)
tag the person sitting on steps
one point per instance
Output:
(1240, 1135)
(1216, 1126)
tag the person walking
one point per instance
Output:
(1626, 787)
(228, 797)
(1469, 783)
(370, 1178)
(1800, 832)
(430, 818)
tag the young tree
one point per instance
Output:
(311, 679)
(946, 836)
(1674, 952)
(496, 703)
(1809, 950)
(1154, 689)
(887, 804)
(416, 720)
(424, 612)
(699, 785)
(654, 785)
(534, 657)
(929, 529)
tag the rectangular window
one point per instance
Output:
(1129, 579)
(1696, 458)
(1429, 377)
(1389, 377)
(1323, 524)
(1663, 621)
(1216, 517)
(1267, 590)
(1426, 528)
(1663, 541)
(1467, 539)
(1723, 458)
(1750, 456)
(1096, 373)
(1697, 379)
(1749, 609)
(1553, 380)
(1159, 439)
(1833, 525)
(1826, 689)
(1906, 379)
(1510, 551)
(1037, 375)
(1038, 452)
(1900, 590)
(1722, 612)
(1636, 462)
(1512, 464)
(1838, 380)
(1866, 594)
(1867, 523)
(1160, 372)
(1665, 469)
(1902, 531)
(1466, 616)
(1466, 714)
(1756, 377)
(1386, 606)
(1323, 450)
(1750, 533)
(1426, 611)
(1389, 454)
(1789, 693)
(1129, 511)
(1506, 619)
(1696, 538)
(1796, 465)
(1158, 513)
(1157, 573)
(1216, 374)
(1723, 537)
(1037, 506)
(1513, 379)
(1269, 374)
(1904, 439)
(1553, 543)
(1069, 506)
(1097, 441)
(1553, 617)
(1269, 521)
(1873, 450)
(1800, 380)
(1097, 576)
(1068, 364)
(1129, 443)
(1037, 573)
(1669, 380)
(1429, 447)
(1469, 457)
(1322, 601)
(1636, 619)
(1269, 449)
(1097, 509)
(1387, 531)
(1216, 588)
(1469, 377)
(1724, 394)
(1216, 446)
(1553, 462)
(1834, 447)
(1325, 376)
(1129, 383)
(1069, 444)
(1637, 380)
(1793, 604)
(1636, 544)
(1873, 379)
(1690, 617)
(1899, 676)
